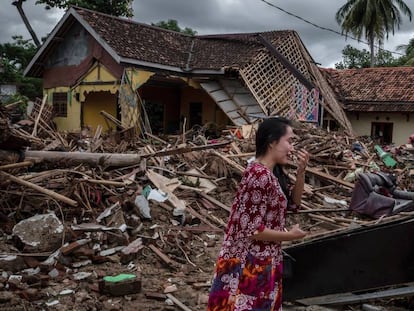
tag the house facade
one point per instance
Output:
(100, 70)
(379, 102)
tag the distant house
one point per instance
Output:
(379, 102)
(100, 70)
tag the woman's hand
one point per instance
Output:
(303, 160)
(296, 233)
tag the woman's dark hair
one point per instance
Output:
(270, 130)
(283, 179)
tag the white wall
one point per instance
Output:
(403, 123)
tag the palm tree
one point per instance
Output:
(373, 19)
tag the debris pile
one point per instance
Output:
(105, 221)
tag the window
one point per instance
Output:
(60, 104)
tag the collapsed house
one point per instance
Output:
(96, 68)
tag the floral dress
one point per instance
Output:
(248, 274)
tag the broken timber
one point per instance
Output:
(112, 159)
(48, 192)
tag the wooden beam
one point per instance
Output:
(48, 192)
(214, 201)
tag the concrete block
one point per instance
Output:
(121, 284)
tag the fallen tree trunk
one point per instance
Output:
(103, 159)
(110, 159)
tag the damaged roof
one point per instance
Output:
(139, 44)
(373, 89)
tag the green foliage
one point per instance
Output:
(408, 49)
(386, 59)
(354, 58)
(22, 103)
(372, 19)
(115, 8)
(18, 53)
(15, 57)
(172, 24)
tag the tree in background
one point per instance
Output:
(355, 58)
(373, 19)
(172, 24)
(111, 7)
(19, 5)
(408, 49)
(15, 57)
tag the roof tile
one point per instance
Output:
(130, 39)
(385, 84)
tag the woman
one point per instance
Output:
(248, 273)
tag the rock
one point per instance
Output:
(12, 263)
(40, 233)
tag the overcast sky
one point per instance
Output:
(224, 16)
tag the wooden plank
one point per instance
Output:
(232, 163)
(199, 216)
(178, 303)
(15, 165)
(214, 201)
(39, 115)
(186, 149)
(164, 257)
(329, 177)
(47, 192)
(158, 182)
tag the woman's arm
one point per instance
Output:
(278, 236)
(297, 191)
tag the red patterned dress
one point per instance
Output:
(248, 273)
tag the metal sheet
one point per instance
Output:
(348, 298)
(356, 260)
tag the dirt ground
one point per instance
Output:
(197, 256)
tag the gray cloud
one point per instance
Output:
(226, 16)
(42, 20)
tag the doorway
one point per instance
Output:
(155, 113)
(382, 132)
(196, 114)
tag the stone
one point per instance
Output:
(40, 233)
(12, 263)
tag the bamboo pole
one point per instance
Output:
(47, 192)
(15, 165)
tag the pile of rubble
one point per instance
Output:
(117, 222)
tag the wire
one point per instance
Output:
(325, 28)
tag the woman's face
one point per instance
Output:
(281, 150)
